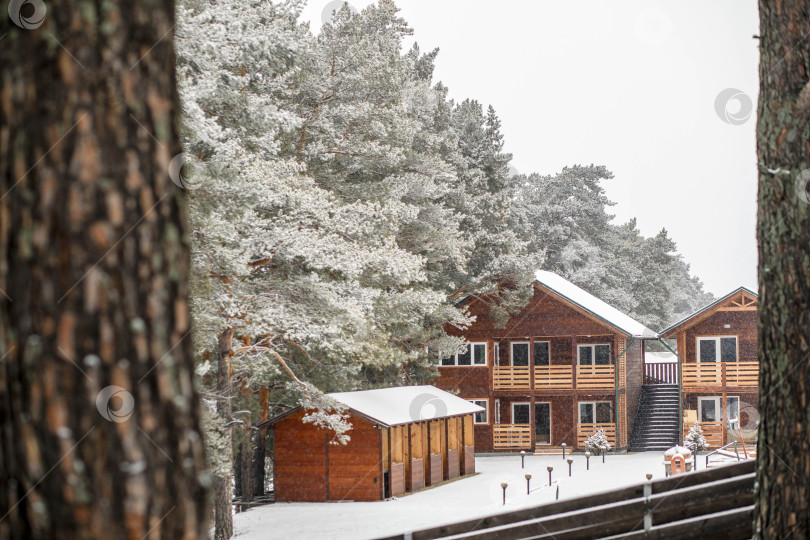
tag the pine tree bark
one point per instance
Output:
(783, 230)
(94, 264)
(223, 516)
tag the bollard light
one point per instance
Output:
(570, 461)
(522, 457)
(549, 469)
(504, 485)
(558, 492)
(587, 460)
(563, 447)
(528, 479)
(649, 477)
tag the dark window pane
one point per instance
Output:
(603, 413)
(585, 356)
(728, 349)
(520, 354)
(541, 353)
(521, 413)
(449, 361)
(603, 355)
(708, 410)
(586, 413)
(481, 417)
(708, 350)
(480, 354)
(464, 359)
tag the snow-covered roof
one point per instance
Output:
(708, 307)
(405, 404)
(653, 357)
(593, 305)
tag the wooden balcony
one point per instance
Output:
(553, 377)
(595, 377)
(586, 430)
(516, 436)
(712, 431)
(511, 378)
(720, 374)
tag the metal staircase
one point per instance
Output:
(656, 425)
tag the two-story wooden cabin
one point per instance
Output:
(567, 365)
(717, 346)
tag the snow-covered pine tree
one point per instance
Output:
(598, 443)
(695, 437)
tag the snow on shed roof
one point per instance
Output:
(593, 305)
(405, 404)
(655, 357)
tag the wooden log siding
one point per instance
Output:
(469, 460)
(692, 505)
(714, 373)
(436, 475)
(397, 479)
(554, 377)
(516, 436)
(586, 430)
(453, 464)
(661, 373)
(511, 378)
(595, 377)
(417, 474)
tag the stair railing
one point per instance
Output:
(736, 452)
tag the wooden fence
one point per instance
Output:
(713, 503)
(511, 378)
(720, 373)
(517, 436)
(595, 377)
(586, 430)
(560, 377)
(712, 431)
(661, 373)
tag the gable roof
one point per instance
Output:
(400, 405)
(596, 307)
(706, 310)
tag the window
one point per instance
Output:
(733, 412)
(709, 409)
(483, 416)
(520, 353)
(590, 355)
(708, 349)
(497, 411)
(474, 355)
(595, 412)
(542, 353)
(520, 413)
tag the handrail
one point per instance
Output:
(723, 448)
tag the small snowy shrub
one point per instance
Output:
(597, 443)
(695, 437)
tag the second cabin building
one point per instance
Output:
(565, 366)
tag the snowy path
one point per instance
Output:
(468, 498)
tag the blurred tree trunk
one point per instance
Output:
(94, 264)
(783, 230)
(223, 516)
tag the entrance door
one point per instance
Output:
(542, 423)
(709, 409)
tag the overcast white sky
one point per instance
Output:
(626, 84)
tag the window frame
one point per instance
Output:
(471, 345)
(727, 419)
(478, 401)
(593, 404)
(718, 401)
(534, 356)
(592, 346)
(512, 353)
(528, 406)
(718, 348)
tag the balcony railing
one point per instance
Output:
(715, 373)
(554, 377)
(586, 430)
(712, 431)
(517, 436)
(511, 378)
(595, 377)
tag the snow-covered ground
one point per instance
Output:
(462, 499)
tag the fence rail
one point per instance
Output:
(560, 377)
(661, 373)
(595, 377)
(716, 373)
(713, 503)
(586, 430)
(511, 378)
(712, 431)
(517, 436)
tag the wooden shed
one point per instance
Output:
(402, 439)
